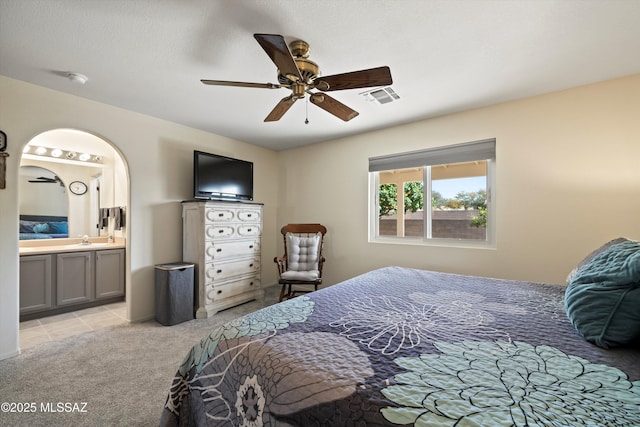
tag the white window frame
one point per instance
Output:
(439, 155)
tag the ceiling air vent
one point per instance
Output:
(383, 95)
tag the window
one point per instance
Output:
(456, 181)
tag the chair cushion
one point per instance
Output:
(307, 276)
(303, 251)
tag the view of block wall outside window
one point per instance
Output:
(459, 195)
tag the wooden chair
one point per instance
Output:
(301, 265)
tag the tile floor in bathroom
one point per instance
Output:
(53, 328)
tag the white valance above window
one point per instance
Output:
(470, 151)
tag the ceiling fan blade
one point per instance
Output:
(281, 108)
(333, 106)
(241, 84)
(380, 76)
(278, 51)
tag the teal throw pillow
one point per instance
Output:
(602, 300)
(41, 228)
(58, 227)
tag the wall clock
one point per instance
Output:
(3, 141)
(78, 187)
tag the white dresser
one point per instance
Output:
(222, 239)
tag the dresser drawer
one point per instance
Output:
(220, 231)
(220, 214)
(215, 250)
(217, 271)
(249, 230)
(249, 215)
(222, 291)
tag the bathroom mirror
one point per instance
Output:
(44, 204)
(78, 159)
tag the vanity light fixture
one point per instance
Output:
(60, 155)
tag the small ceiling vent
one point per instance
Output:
(383, 95)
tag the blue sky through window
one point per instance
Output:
(448, 188)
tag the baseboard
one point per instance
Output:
(143, 319)
(9, 355)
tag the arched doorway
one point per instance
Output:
(89, 171)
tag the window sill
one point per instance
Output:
(446, 243)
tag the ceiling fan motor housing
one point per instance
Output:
(309, 70)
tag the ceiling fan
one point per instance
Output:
(301, 75)
(47, 180)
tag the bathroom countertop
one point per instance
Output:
(67, 245)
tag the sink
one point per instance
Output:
(93, 244)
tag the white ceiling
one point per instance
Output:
(445, 56)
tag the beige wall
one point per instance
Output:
(159, 157)
(568, 179)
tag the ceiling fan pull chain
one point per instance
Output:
(306, 110)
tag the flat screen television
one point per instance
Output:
(218, 177)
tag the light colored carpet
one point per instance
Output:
(120, 376)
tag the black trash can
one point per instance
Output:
(174, 293)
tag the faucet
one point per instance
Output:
(85, 240)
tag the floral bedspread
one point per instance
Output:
(401, 346)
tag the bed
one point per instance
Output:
(400, 346)
(43, 227)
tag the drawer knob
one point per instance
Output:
(250, 283)
(220, 231)
(250, 265)
(219, 271)
(219, 292)
(218, 250)
(249, 215)
(250, 246)
(220, 215)
(249, 230)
